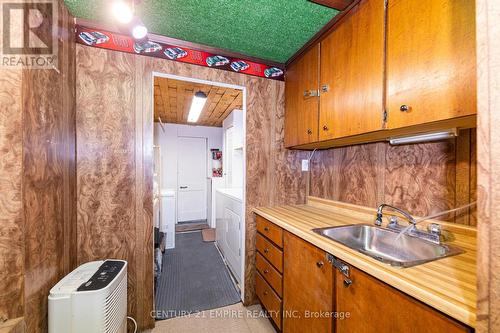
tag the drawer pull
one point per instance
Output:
(266, 250)
(404, 108)
(266, 271)
(320, 264)
(266, 228)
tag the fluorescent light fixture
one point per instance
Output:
(426, 137)
(122, 12)
(199, 100)
(139, 31)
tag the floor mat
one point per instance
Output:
(194, 278)
(208, 235)
(191, 226)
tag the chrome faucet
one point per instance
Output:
(378, 221)
(434, 230)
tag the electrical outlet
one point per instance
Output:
(305, 165)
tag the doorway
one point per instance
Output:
(201, 186)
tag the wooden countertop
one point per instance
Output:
(448, 284)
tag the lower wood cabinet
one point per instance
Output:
(375, 307)
(306, 290)
(307, 287)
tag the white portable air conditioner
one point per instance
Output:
(90, 299)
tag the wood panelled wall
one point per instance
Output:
(421, 178)
(114, 161)
(488, 152)
(37, 182)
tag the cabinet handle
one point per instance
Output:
(325, 88)
(183, 187)
(311, 93)
(320, 264)
(266, 271)
(404, 108)
(347, 283)
(266, 250)
(266, 228)
(325, 128)
(309, 131)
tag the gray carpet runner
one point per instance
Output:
(194, 278)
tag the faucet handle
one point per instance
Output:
(393, 221)
(378, 220)
(434, 229)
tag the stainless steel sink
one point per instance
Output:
(383, 244)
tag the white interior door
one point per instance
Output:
(191, 179)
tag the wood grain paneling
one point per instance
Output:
(49, 176)
(488, 168)
(273, 173)
(173, 100)
(348, 174)
(11, 207)
(106, 167)
(37, 172)
(422, 178)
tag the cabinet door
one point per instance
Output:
(352, 67)
(431, 62)
(301, 109)
(375, 307)
(307, 287)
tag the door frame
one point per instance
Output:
(177, 176)
(244, 109)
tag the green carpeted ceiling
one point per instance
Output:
(267, 29)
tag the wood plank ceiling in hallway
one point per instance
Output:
(172, 99)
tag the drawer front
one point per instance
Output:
(269, 299)
(269, 273)
(270, 230)
(269, 251)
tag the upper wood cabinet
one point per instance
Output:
(307, 287)
(419, 66)
(352, 73)
(431, 62)
(376, 307)
(301, 100)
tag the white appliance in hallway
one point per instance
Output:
(168, 217)
(230, 218)
(229, 228)
(192, 179)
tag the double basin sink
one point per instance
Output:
(388, 246)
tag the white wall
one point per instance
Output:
(168, 144)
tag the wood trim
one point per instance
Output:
(322, 33)
(384, 135)
(335, 4)
(488, 169)
(178, 42)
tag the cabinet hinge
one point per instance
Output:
(338, 264)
